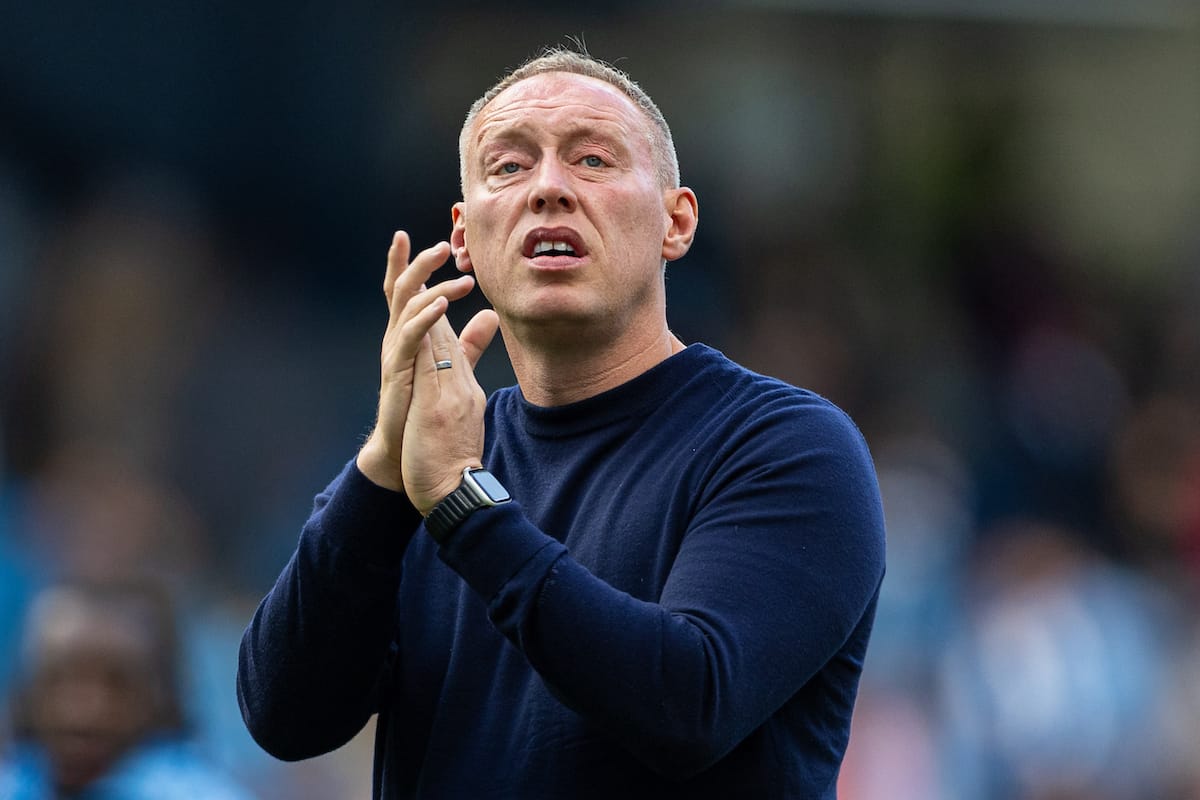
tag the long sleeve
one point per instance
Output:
(678, 601)
(312, 656)
(772, 587)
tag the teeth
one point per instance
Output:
(542, 248)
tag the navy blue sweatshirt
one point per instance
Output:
(677, 603)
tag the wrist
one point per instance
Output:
(374, 462)
(477, 489)
(427, 499)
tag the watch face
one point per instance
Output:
(486, 481)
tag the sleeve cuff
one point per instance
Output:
(377, 523)
(497, 546)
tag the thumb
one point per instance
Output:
(478, 334)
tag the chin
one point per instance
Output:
(552, 307)
(576, 321)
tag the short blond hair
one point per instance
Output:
(561, 59)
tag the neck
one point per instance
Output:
(560, 368)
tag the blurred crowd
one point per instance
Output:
(878, 228)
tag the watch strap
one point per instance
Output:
(450, 513)
(468, 498)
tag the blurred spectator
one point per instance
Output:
(927, 497)
(131, 390)
(1051, 688)
(98, 713)
(1155, 464)
(1180, 707)
(92, 513)
(17, 580)
(894, 747)
(113, 315)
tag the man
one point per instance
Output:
(97, 712)
(663, 583)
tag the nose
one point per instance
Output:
(551, 187)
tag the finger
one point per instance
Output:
(424, 370)
(450, 290)
(477, 334)
(413, 333)
(444, 350)
(411, 279)
(424, 264)
(397, 259)
(442, 334)
(431, 351)
(423, 315)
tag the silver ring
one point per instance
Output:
(447, 364)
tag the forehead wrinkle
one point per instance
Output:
(574, 133)
(543, 95)
(583, 122)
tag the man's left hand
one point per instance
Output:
(444, 431)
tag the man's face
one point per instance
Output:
(564, 220)
(92, 695)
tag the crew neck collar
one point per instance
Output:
(632, 398)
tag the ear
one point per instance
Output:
(684, 216)
(458, 238)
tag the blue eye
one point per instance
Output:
(593, 161)
(510, 168)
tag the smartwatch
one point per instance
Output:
(479, 489)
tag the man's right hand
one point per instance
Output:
(414, 311)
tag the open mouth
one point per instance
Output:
(553, 249)
(553, 243)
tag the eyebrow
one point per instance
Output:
(523, 132)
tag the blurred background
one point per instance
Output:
(974, 224)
